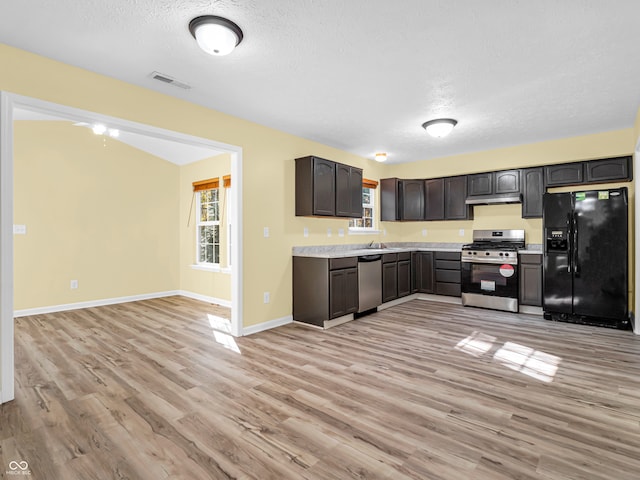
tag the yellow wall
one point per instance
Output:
(268, 170)
(207, 283)
(92, 214)
(586, 147)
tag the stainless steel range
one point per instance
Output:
(490, 269)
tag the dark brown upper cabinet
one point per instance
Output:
(411, 199)
(609, 170)
(401, 199)
(455, 192)
(480, 184)
(326, 188)
(564, 174)
(434, 199)
(493, 183)
(616, 169)
(532, 192)
(348, 191)
(389, 204)
(507, 181)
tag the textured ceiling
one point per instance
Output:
(363, 75)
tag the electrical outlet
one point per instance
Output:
(328, 232)
(19, 229)
(461, 232)
(267, 297)
(266, 232)
(305, 232)
(341, 232)
(74, 284)
(424, 232)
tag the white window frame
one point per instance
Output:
(200, 223)
(353, 230)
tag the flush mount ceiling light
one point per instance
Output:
(380, 157)
(215, 35)
(440, 127)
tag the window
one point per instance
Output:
(365, 223)
(208, 226)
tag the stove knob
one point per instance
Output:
(475, 253)
(487, 253)
(506, 254)
(501, 254)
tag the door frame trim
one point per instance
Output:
(9, 102)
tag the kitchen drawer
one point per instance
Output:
(447, 265)
(451, 276)
(448, 255)
(346, 262)
(531, 258)
(389, 257)
(404, 256)
(451, 289)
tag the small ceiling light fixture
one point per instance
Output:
(440, 127)
(215, 35)
(99, 129)
(380, 157)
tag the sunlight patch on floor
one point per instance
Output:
(222, 332)
(534, 363)
(476, 344)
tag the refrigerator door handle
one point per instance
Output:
(569, 231)
(574, 249)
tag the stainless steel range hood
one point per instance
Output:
(494, 199)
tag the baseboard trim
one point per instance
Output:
(398, 301)
(440, 298)
(261, 327)
(205, 298)
(92, 303)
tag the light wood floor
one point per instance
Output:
(148, 390)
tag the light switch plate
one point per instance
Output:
(305, 232)
(341, 232)
(19, 229)
(328, 232)
(461, 232)
(424, 232)
(266, 232)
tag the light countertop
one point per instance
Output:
(343, 251)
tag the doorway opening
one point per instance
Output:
(14, 106)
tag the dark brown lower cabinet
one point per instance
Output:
(389, 281)
(343, 292)
(404, 274)
(448, 273)
(324, 288)
(531, 280)
(424, 278)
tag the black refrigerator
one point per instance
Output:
(585, 276)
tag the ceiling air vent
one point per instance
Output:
(171, 81)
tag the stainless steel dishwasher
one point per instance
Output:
(369, 282)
